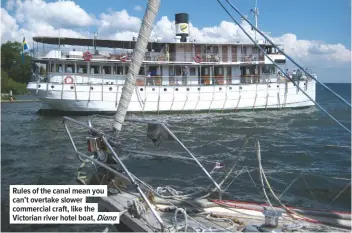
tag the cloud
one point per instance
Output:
(138, 8)
(117, 22)
(60, 14)
(66, 18)
(9, 27)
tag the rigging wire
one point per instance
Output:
(287, 76)
(281, 51)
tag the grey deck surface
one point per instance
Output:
(118, 202)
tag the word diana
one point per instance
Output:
(103, 217)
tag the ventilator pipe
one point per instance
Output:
(136, 61)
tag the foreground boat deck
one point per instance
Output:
(212, 218)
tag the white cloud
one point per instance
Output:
(9, 28)
(66, 14)
(138, 8)
(117, 21)
(66, 18)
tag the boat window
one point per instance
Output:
(244, 50)
(206, 71)
(215, 49)
(218, 70)
(94, 69)
(178, 70)
(141, 71)
(82, 69)
(171, 71)
(106, 69)
(126, 69)
(192, 71)
(70, 69)
(118, 70)
(255, 49)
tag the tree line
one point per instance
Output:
(15, 68)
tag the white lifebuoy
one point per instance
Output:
(68, 80)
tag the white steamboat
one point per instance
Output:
(87, 75)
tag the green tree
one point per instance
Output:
(17, 67)
(8, 84)
(42, 71)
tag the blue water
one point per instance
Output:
(36, 150)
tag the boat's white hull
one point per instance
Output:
(105, 98)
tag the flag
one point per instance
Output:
(25, 46)
(217, 166)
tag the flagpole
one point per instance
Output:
(23, 49)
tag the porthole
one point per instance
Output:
(187, 89)
(230, 88)
(240, 88)
(72, 87)
(141, 89)
(220, 88)
(176, 89)
(269, 86)
(107, 83)
(52, 86)
(198, 88)
(153, 89)
(110, 88)
(165, 89)
(277, 86)
(91, 88)
(39, 86)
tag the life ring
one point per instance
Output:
(87, 56)
(123, 58)
(198, 59)
(68, 80)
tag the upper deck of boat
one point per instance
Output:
(130, 44)
(191, 52)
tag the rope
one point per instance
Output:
(340, 193)
(287, 76)
(281, 51)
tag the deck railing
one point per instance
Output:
(154, 57)
(143, 80)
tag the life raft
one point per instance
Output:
(87, 56)
(198, 59)
(68, 80)
(123, 58)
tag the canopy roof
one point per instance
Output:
(89, 42)
(114, 43)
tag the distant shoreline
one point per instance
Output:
(20, 101)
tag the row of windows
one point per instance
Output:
(120, 70)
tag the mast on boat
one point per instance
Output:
(136, 61)
(256, 13)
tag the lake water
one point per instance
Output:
(35, 149)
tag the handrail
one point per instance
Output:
(116, 157)
(192, 80)
(108, 56)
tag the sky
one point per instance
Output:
(316, 33)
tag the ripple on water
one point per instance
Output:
(35, 150)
